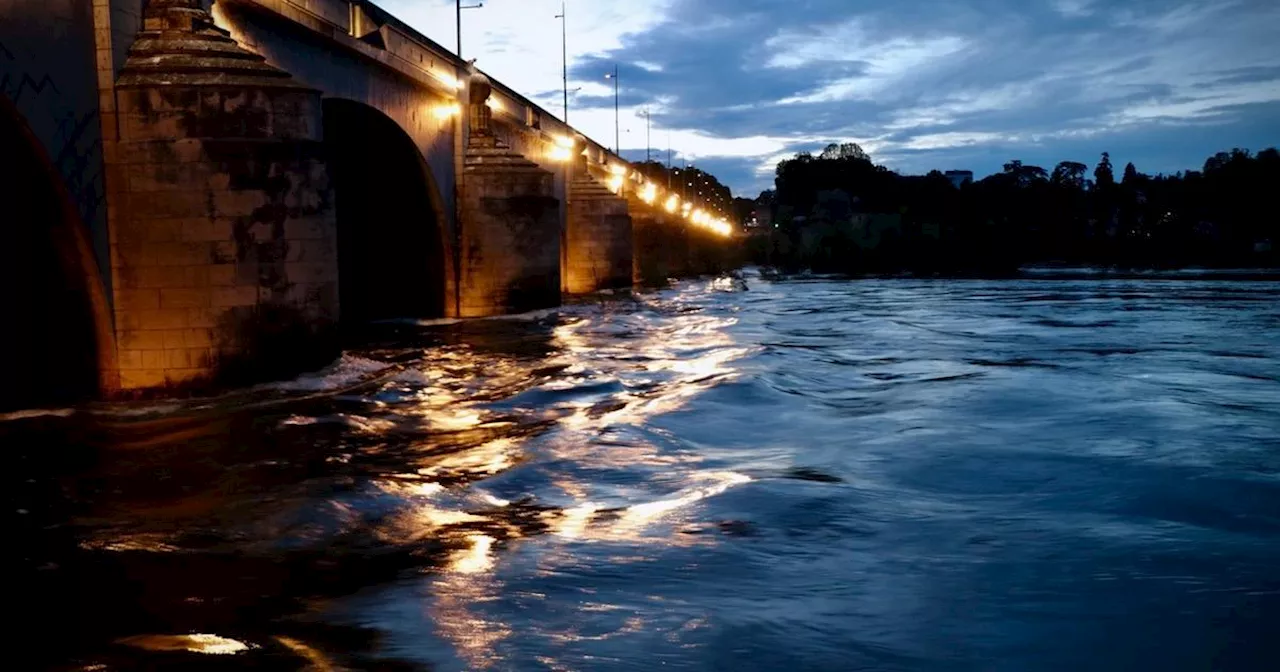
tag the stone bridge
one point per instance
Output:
(199, 193)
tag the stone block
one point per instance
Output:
(310, 228)
(194, 358)
(137, 299)
(222, 275)
(177, 254)
(173, 338)
(142, 379)
(185, 297)
(197, 338)
(146, 339)
(151, 319)
(310, 273)
(237, 203)
(154, 359)
(206, 230)
(130, 360)
(230, 297)
(201, 318)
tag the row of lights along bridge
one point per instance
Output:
(711, 218)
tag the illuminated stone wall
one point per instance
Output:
(598, 239)
(224, 243)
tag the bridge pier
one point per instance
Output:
(598, 235)
(510, 221)
(661, 243)
(224, 244)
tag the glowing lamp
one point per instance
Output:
(560, 154)
(446, 111)
(649, 193)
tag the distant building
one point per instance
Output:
(959, 178)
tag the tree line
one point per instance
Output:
(839, 211)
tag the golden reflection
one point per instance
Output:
(474, 559)
(460, 592)
(194, 643)
(147, 542)
(572, 522)
(319, 663)
(484, 460)
(641, 514)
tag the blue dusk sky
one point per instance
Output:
(738, 85)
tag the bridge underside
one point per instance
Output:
(55, 339)
(391, 245)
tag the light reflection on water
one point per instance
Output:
(725, 475)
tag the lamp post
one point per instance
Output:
(668, 160)
(648, 134)
(460, 8)
(617, 133)
(564, 51)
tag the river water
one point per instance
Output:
(1051, 473)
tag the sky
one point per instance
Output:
(734, 86)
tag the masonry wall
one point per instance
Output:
(225, 247)
(334, 71)
(661, 244)
(598, 240)
(510, 243)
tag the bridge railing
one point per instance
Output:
(439, 69)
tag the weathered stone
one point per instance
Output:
(510, 252)
(598, 238)
(225, 162)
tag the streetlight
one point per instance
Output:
(617, 134)
(648, 132)
(564, 49)
(460, 8)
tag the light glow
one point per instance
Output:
(618, 169)
(448, 80)
(563, 141)
(649, 193)
(446, 111)
(560, 154)
(673, 203)
(615, 184)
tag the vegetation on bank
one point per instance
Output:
(839, 212)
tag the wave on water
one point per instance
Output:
(36, 413)
(346, 371)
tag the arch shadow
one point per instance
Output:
(392, 248)
(57, 343)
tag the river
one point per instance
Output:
(1050, 473)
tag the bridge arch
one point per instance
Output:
(394, 256)
(56, 342)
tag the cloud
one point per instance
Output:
(738, 84)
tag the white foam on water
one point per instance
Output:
(37, 413)
(348, 370)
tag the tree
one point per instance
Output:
(847, 150)
(1130, 174)
(1069, 174)
(1103, 176)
